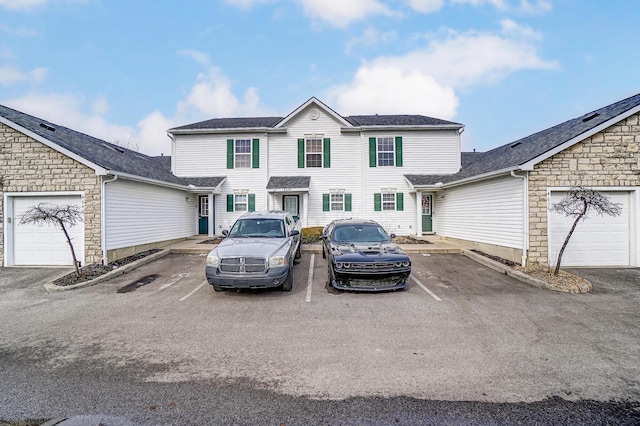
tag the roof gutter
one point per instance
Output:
(357, 129)
(190, 188)
(269, 130)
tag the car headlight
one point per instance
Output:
(277, 261)
(213, 260)
(406, 263)
(398, 264)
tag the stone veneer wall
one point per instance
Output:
(30, 166)
(608, 158)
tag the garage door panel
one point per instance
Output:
(597, 241)
(47, 244)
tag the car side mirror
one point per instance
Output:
(294, 232)
(225, 233)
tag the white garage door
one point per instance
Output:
(44, 245)
(597, 241)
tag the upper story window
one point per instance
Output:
(313, 152)
(243, 153)
(385, 151)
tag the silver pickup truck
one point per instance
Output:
(257, 252)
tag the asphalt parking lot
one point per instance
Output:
(459, 332)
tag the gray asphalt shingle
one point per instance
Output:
(104, 154)
(521, 151)
(289, 182)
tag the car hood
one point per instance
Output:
(367, 249)
(250, 247)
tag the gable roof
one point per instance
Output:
(524, 153)
(101, 156)
(241, 124)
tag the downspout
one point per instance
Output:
(103, 217)
(525, 216)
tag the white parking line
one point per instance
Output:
(425, 288)
(170, 283)
(310, 280)
(193, 291)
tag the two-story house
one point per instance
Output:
(318, 165)
(405, 171)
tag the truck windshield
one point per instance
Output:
(269, 228)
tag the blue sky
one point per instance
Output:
(126, 71)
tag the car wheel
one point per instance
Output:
(299, 251)
(217, 289)
(287, 285)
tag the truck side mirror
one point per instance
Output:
(294, 232)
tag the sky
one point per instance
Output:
(126, 71)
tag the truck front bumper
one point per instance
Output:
(272, 278)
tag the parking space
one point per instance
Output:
(460, 331)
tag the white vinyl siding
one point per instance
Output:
(489, 212)
(138, 213)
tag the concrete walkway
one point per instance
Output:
(432, 244)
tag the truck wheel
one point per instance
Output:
(299, 251)
(287, 285)
(324, 255)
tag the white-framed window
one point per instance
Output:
(204, 206)
(240, 203)
(386, 152)
(313, 152)
(337, 202)
(242, 153)
(388, 201)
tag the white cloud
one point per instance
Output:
(10, 75)
(246, 4)
(426, 6)
(211, 96)
(498, 4)
(340, 13)
(424, 81)
(6, 53)
(541, 6)
(18, 31)
(389, 89)
(21, 4)
(371, 38)
(200, 57)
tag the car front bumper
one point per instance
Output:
(370, 282)
(272, 278)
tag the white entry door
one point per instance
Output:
(597, 241)
(44, 245)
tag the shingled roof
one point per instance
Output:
(113, 158)
(514, 155)
(355, 120)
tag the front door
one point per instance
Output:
(203, 215)
(427, 213)
(291, 204)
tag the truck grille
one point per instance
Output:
(249, 265)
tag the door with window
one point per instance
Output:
(203, 215)
(427, 214)
(291, 204)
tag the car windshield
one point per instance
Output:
(359, 233)
(270, 228)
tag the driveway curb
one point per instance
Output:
(51, 287)
(521, 276)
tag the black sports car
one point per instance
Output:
(361, 257)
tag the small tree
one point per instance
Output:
(66, 216)
(577, 203)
